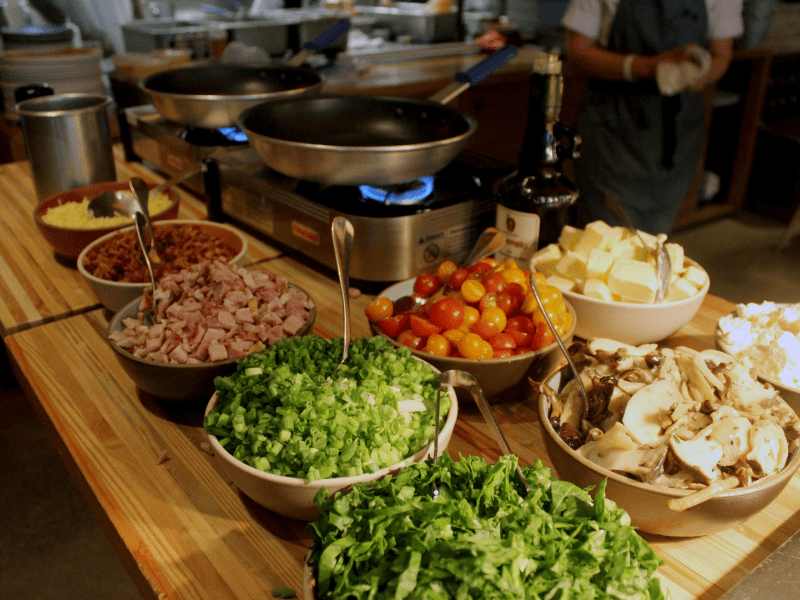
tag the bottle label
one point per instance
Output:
(522, 235)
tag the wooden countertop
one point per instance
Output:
(184, 531)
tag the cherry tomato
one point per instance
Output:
(521, 328)
(502, 353)
(494, 282)
(444, 271)
(447, 313)
(516, 290)
(422, 326)
(472, 290)
(508, 303)
(486, 329)
(489, 299)
(392, 326)
(426, 284)
(471, 315)
(495, 315)
(379, 309)
(410, 339)
(479, 268)
(453, 335)
(439, 345)
(503, 341)
(474, 346)
(457, 278)
(492, 262)
(543, 337)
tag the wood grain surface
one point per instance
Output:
(184, 531)
(36, 285)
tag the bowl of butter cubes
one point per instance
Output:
(608, 275)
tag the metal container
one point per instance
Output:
(68, 141)
(416, 21)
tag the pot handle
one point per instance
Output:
(468, 78)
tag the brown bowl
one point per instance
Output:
(497, 377)
(70, 241)
(647, 504)
(176, 382)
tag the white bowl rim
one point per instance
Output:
(375, 328)
(128, 285)
(651, 306)
(788, 470)
(115, 228)
(726, 349)
(450, 423)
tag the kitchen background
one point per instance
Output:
(50, 545)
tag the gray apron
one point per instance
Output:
(639, 146)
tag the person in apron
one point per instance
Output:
(639, 146)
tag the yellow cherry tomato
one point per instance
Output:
(472, 290)
(486, 349)
(541, 280)
(438, 344)
(471, 346)
(379, 309)
(471, 315)
(453, 335)
(495, 315)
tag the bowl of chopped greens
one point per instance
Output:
(486, 538)
(286, 424)
(686, 441)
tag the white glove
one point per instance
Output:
(675, 77)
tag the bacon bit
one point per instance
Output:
(162, 458)
(206, 447)
(354, 292)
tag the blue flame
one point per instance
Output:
(408, 196)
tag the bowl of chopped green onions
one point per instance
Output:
(287, 424)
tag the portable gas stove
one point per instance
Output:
(400, 232)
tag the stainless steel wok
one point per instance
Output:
(373, 140)
(212, 95)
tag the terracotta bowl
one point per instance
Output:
(294, 497)
(69, 241)
(115, 295)
(497, 377)
(175, 382)
(633, 323)
(647, 504)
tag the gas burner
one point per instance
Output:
(403, 194)
(224, 136)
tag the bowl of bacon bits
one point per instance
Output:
(483, 319)
(69, 226)
(207, 317)
(114, 267)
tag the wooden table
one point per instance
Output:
(184, 531)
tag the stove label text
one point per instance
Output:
(305, 233)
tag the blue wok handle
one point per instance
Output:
(327, 37)
(487, 66)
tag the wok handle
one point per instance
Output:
(327, 37)
(468, 78)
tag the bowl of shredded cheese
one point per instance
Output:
(69, 226)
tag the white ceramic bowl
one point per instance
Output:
(116, 295)
(788, 393)
(294, 497)
(647, 504)
(633, 323)
(497, 377)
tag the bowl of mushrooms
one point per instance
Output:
(689, 442)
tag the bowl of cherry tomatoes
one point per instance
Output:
(482, 318)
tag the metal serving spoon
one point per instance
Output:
(342, 233)
(466, 381)
(141, 224)
(663, 262)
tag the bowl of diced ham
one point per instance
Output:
(608, 274)
(207, 317)
(114, 268)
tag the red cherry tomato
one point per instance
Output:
(379, 309)
(422, 326)
(507, 302)
(504, 353)
(495, 282)
(444, 271)
(392, 326)
(516, 290)
(457, 278)
(410, 339)
(447, 313)
(486, 329)
(488, 299)
(503, 341)
(426, 284)
(521, 328)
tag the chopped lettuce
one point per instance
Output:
(287, 411)
(480, 538)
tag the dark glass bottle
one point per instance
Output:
(533, 201)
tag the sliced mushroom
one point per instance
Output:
(699, 455)
(769, 449)
(646, 408)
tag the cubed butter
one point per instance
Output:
(650, 240)
(633, 281)
(598, 264)
(599, 235)
(565, 284)
(572, 265)
(676, 256)
(629, 248)
(545, 259)
(594, 288)
(569, 237)
(695, 276)
(680, 290)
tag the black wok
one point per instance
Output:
(212, 95)
(373, 140)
